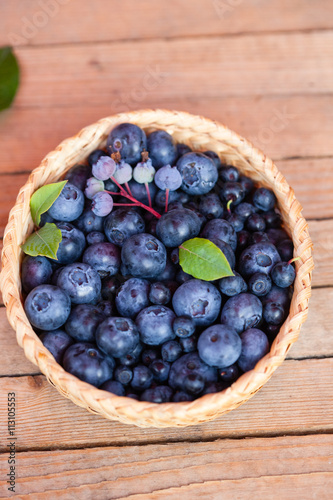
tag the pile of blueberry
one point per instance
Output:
(116, 309)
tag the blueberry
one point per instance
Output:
(199, 300)
(260, 257)
(254, 346)
(160, 198)
(160, 370)
(83, 322)
(132, 297)
(45, 217)
(149, 355)
(69, 204)
(95, 237)
(105, 307)
(232, 191)
(169, 272)
(243, 239)
(139, 191)
(133, 357)
(47, 307)
(228, 173)
(88, 221)
(215, 157)
(81, 282)
(190, 364)
(194, 383)
(162, 149)
(247, 184)
(198, 172)
(56, 341)
(214, 387)
(219, 345)
(117, 337)
(264, 199)
(182, 277)
(183, 326)
(273, 220)
(236, 221)
(78, 175)
(182, 149)
(110, 287)
(285, 249)
(276, 304)
(182, 396)
(142, 378)
(175, 256)
(242, 311)
(276, 236)
(88, 363)
(158, 394)
(244, 209)
(277, 295)
(258, 237)
(260, 284)
(229, 373)
(211, 207)
(129, 140)
(95, 156)
(232, 285)
(283, 274)
(274, 314)
(123, 374)
(159, 294)
(72, 244)
(121, 224)
(104, 258)
(255, 222)
(220, 229)
(189, 344)
(144, 256)
(35, 271)
(113, 386)
(177, 226)
(171, 351)
(155, 325)
(102, 204)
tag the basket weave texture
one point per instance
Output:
(200, 134)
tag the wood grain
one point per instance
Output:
(284, 64)
(297, 399)
(175, 470)
(114, 20)
(321, 233)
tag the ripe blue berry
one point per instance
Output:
(56, 341)
(168, 177)
(158, 394)
(35, 271)
(72, 244)
(132, 297)
(160, 370)
(254, 346)
(198, 172)
(81, 282)
(220, 229)
(162, 149)
(232, 285)
(219, 345)
(47, 307)
(123, 223)
(69, 204)
(117, 337)
(283, 274)
(144, 256)
(177, 226)
(104, 258)
(155, 324)
(260, 284)
(171, 351)
(83, 321)
(190, 364)
(242, 311)
(183, 326)
(142, 378)
(129, 140)
(159, 294)
(78, 175)
(88, 222)
(104, 168)
(113, 386)
(102, 204)
(264, 199)
(260, 257)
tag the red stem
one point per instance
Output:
(136, 202)
(294, 260)
(125, 204)
(128, 188)
(166, 199)
(148, 193)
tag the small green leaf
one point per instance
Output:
(43, 198)
(204, 260)
(9, 77)
(44, 242)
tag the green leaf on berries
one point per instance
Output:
(44, 242)
(9, 77)
(203, 260)
(43, 199)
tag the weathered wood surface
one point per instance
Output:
(189, 470)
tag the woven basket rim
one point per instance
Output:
(203, 134)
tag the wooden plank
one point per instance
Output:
(321, 233)
(282, 127)
(315, 339)
(284, 64)
(171, 471)
(297, 399)
(10, 186)
(28, 23)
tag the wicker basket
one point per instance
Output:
(200, 134)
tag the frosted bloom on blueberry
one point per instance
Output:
(144, 172)
(168, 178)
(102, 204)
(93, 186)
(123, 173)
(104, 168)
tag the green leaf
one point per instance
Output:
(43, 198)
(44, 242)
(9, 77)
(204, 260)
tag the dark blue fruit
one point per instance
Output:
(95, 237)
(139, 191)
(220, 229)
(215, 157)
(129, 140)
(72, 244)
(171, 351)
(211, 207)
(81, 282)
(264, 199)
(228, 173)
(149, 355)
(83, 321)
(142, 378)
(161, 148)
(286, 250)
(155, 325)
(158, 394)
(159, 294)
(95, 156)
(110, 286)
(229, 373)
(198, 172)
(144, 256)
(47, 307)
(113, 386)
(181, 397)
(182, 149)
(190, 364)
(189, 344)
(105, 307)
(283, 274)
(123, 374)
(183, 326)
(242, 311)
(133, 357)
(232, 191)
(69, 204)
(132, 297)
(56, 342)
(247, 184)
(177, 226)
(219, 346)
(117, 337)
(199, 300)
(194, 383)
(255, 222)
(232, 285)
(78, 175)
(254, 346)
(123, 223)
(160, 370)
(260, 257)
(104, 258)
(260, 284)
(88, 363)
(35, 271)
(88, 221)
(244, 209)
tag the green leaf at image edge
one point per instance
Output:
(203, 260)
(44, 242)
(43, 198)
(9, 77)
